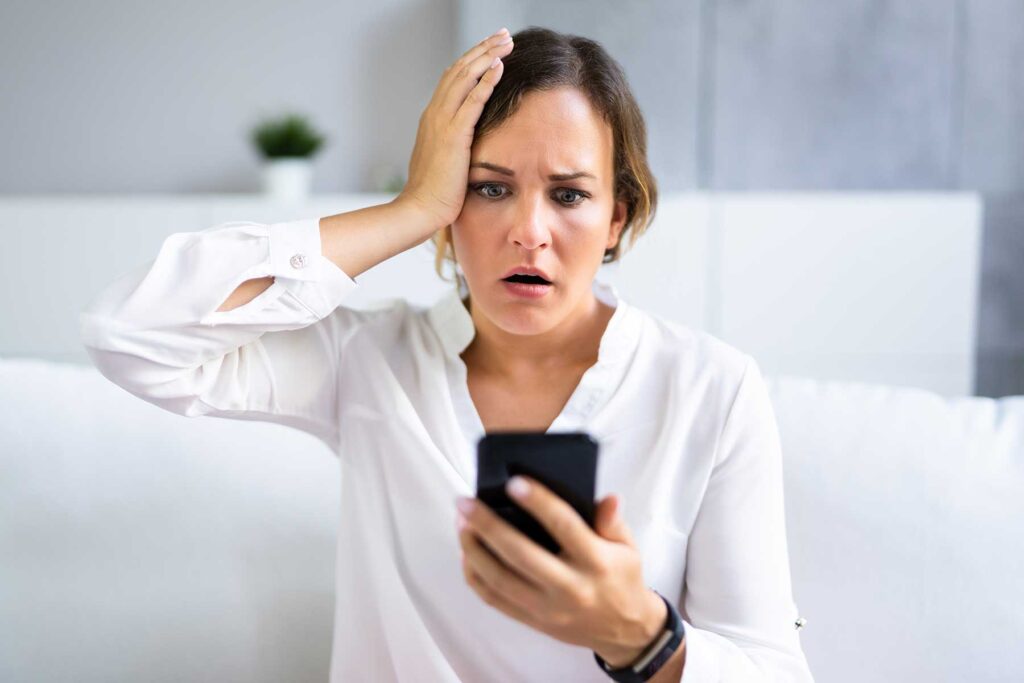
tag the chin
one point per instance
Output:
(524, 325)
(523, 317)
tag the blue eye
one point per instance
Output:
(476, 188)
(574, 192)
(488, 195)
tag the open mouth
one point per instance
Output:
(527, 279)
(527, 286)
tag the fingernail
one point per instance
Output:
(465, 505)
(518, 487)
(501, 30)
(460, 521)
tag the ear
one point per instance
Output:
(618, 222)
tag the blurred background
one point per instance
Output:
(118, 97)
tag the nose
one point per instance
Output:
(530, 224)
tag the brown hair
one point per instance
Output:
(543, 59)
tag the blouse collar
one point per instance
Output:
(454, 325)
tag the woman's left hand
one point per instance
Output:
(591, 594)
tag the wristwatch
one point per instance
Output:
(656, 654)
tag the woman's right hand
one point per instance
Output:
(439, 167)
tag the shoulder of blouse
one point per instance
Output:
(676, 341)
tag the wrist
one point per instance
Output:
(639, 634)
(428, 219)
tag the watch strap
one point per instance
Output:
(656, 654)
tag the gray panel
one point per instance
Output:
(999, 374)
(1001, 311)
(476, 19)
(657, 44)
(846, 94)
(992, 158)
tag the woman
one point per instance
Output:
(538, 171)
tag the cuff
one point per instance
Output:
(297, 261)
(295, 250)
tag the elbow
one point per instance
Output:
(130, 367)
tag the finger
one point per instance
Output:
(449, 74)
(473, 104)
(498, 577)
(519, 552)
(609, 521)
(496, 600)
(465, 81)
(556, 515)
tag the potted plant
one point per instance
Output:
(287, 145)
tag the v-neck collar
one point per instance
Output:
(454, 326)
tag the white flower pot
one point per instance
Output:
(288, 180)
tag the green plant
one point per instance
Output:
(288, 136)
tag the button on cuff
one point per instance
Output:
(295, 249)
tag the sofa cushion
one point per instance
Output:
(142, 545)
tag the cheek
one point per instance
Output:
(585, 230)
(474, 245)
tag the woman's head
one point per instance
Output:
(562, 106)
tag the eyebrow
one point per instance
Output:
(509, 172)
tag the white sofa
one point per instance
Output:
(137, 545)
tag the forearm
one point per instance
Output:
(356, 241)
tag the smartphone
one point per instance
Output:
(565, 462)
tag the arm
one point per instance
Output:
(738, 605)
(355, 242)
(159, 332)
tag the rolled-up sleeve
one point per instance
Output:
(157, 333)
(738, 605)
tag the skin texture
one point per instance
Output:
(592, 594)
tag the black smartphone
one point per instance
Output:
(565, 462)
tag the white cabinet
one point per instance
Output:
(879, 288)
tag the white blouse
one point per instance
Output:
(685, 425)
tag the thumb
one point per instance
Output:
(608, 520)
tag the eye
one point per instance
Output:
(575, 196)
(476, 188)
(582, 195)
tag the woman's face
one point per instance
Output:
(517, 215)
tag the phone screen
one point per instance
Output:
(565, 462)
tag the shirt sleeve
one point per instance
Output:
(738, 607)
(156, 332)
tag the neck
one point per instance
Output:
(572, 343)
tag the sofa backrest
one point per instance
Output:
(905, 516)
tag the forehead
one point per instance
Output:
(554, 128)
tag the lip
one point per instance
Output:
(526, 291)
(527, 270)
